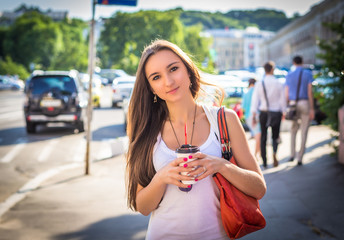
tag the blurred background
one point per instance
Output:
(44, 69)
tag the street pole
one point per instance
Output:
(89, 106)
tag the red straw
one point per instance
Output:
(186, 135)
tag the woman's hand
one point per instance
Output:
(170, 174)
(206, 165)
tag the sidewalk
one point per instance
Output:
(302, 202)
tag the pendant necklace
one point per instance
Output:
(193, 127)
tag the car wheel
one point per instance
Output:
(114, 105)
(80, 126)
(30, 127)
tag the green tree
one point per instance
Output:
(332, 54)
(34, 38)
(126, 34)
(73, 53)
(9, 67)
(3, 32)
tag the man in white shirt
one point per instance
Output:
(269, 101)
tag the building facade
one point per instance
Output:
(8, 18)
(236, 48)
(301, 37)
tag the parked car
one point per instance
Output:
(11, 83)
(121, 88)
(112, 74)
(55, 96)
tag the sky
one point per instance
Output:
(83, 8)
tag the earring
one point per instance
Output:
(190, 85)
(155, 99)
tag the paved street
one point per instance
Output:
(302, 202)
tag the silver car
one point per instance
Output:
(121, 88)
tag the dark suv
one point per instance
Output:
(55, 96)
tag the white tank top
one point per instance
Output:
(187, 215)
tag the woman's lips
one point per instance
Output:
(173, 90)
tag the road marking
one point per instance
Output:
(20, 144)
(32, 185)
(47, 151)
(11, 115)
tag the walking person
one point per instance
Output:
(268, 99)
(304, 104)
(246, 105)
(161, 105)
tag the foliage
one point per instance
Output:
(332, 54)
(209, 20)
(126, 34)
(8, 67)
(265, 19)
(34, 38)
(74, 50)
(3, 32)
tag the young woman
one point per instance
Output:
(162, 102)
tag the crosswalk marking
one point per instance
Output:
(47, 151)
(12, 115)
(20, 144)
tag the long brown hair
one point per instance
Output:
(146, 118)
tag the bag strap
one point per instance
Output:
(224, 136)
(266, 97)
(298, 86)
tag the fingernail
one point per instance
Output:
(185, 159)
(190, 157)
(185, 165)
(189, 186)
(196, 179)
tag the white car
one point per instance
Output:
(121, 88)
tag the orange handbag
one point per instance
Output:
(240, 213)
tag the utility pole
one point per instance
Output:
(89, 106)
(91, 65)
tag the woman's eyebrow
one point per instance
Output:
(169, 65)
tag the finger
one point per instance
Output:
(179, 161)
(198, 155)
(185, 168)
(202, 175)
(197, 172)
(178, 183)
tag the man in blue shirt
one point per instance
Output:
(304, 104)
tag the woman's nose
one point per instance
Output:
(168, 80)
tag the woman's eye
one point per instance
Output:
(174, 69)
(156, 77)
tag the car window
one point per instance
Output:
(42, 84)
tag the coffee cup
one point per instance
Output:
(184, 152)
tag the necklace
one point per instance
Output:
(193, 127)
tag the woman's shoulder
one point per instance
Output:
(230, 114)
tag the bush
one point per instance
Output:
(334, 66)
(8, 67)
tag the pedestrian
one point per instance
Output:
(304, 104)
(246, 105)
(269, 101)
(161, 106)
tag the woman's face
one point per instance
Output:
(168, 76)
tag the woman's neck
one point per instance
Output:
(182, 112)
